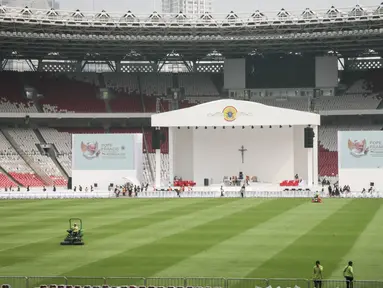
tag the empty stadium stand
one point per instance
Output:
(15, 166)
(197, 84)
(350, 102)
(297, 103)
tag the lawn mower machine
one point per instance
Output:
(75, 233)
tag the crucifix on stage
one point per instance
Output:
(243, 150)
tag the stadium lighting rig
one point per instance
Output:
(182, 38)
(81, 18)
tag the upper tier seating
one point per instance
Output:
(67, 92)
(156, 84)
(350, 102)
(122, 82)
(197, 84)
(11, 94)
(360, 87)
(296, 103)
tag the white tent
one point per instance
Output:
(225, 137)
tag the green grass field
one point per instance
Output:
(231, 238)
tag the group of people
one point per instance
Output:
(241, 191)
(335, 190)
(348, 274)
(128, 189)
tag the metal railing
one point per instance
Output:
(196, 282)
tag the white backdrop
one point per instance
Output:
(358, 168)
(272, 154)
(112, 173)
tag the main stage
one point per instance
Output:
(220, 139)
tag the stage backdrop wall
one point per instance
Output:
(106, 158)
(360, 159)
(215, 153)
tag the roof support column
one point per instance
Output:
(315, 155)
(40, 65)
(171, 154)
(118, 66)
(195, 66)
(158, 169)
(79, 66)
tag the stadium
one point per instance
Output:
(253, 140)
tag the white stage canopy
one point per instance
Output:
(225, 137)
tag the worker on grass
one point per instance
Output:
(74, 230)
(348, 274)
(318, 275)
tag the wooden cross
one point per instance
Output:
(243, 150)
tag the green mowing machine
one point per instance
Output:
(75, 233)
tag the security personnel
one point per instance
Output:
(348, 274)
(318, 275)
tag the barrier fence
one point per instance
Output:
(172, 194)
(141, 282)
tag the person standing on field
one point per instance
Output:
(348, 274)
(318, 275)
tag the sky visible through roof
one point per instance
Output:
(219, 6)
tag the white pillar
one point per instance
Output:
(315, 156)
(158, 168)
(171, 154)
(309, 167)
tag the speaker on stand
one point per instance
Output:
(309, 137)
(69, 185)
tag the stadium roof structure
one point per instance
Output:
(27, 33)
(234, 113)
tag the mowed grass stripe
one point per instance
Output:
(138, 216)
(147, 260)
(367, 252)
(36, 219)
(329, 241)
(21, 207)
(247, 250)
(45, 226)
(99, 249)
(37, 257)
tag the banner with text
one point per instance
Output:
(360, 149)
(103, 152)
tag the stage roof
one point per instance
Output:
(231, 112)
